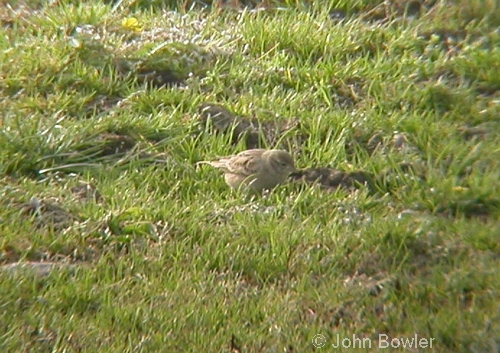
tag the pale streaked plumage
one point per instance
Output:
(259, 169)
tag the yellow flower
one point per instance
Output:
(131, 23)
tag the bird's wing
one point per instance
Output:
(245, 163)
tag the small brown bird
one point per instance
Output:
(257, 169)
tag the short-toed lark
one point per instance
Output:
(257, 169)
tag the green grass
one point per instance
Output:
(166, 258)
